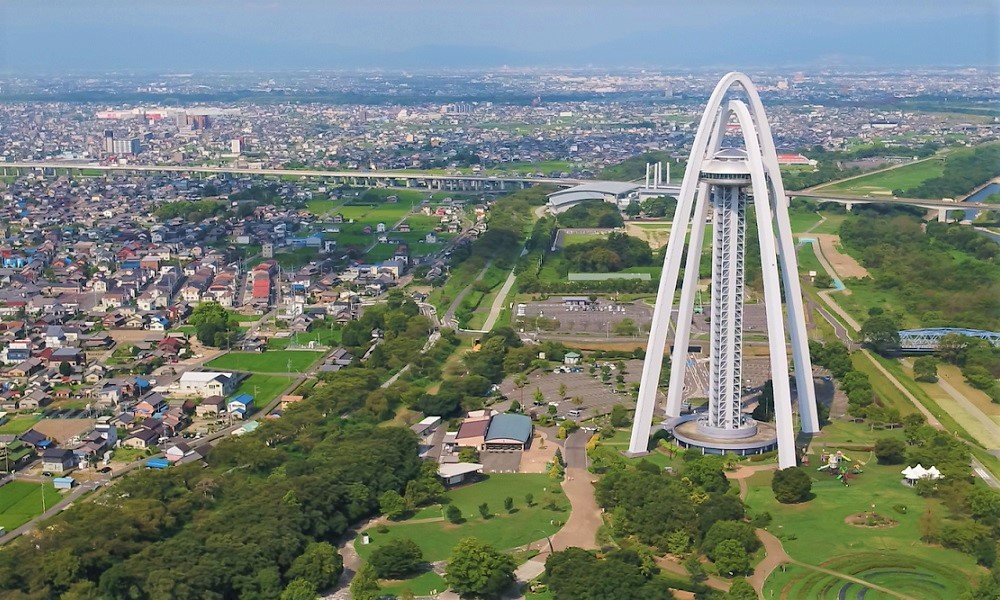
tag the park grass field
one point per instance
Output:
(802, 220)
(319, 207)
(275, 361)
(21, 501)
(264, 388)
(900, 178)
(807, 260)
(816, 533)
(18, 425)
(581, 238)
(322, 335)
(427, 583)
(503, 530)
(831, 224)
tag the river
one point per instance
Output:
(993, 188)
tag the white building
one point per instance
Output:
(207, 383)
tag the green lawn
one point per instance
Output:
(18, 425)
(831, 224)
(322, 335)
(21, 501)
(816, 533)
(272, 361)
(807, 260)
(425, 584)
(802, 220)
(318, 207)
(581, 238)
(504, 531)
(900, 178)
(263, 388)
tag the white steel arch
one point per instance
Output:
(771, 214)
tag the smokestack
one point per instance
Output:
(647, 175)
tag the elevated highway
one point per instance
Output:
(432, 181)
(403, 179)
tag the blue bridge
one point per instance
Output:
(926, 340)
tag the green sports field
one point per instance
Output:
(272, 361)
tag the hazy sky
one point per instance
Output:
(179, 35)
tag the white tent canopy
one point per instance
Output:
(919, 472)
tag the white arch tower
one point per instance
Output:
(728, 180)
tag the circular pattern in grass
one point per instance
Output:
(903, 574)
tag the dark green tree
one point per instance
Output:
(890, 451)
(731, 558)
(320, 564)
(925, 369)
(397, 560)
(479, 569)
(791, 485)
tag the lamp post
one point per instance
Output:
(547, 539)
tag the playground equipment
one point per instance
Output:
(839, 464)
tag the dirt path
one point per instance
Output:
(656, 238)
(843, 264)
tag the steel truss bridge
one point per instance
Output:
(927, 340)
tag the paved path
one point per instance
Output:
(992, 429)
(499, 302)
(585, 518)
(931, 419)
(449, 315)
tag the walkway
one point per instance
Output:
(499, 302)
(992, 429)
(449, 316)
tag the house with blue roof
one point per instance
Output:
(508, 432)
(240, 406)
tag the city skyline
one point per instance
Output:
(103, 35)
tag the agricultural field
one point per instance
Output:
(274, 361)
(21, 501)
(904, 177)
(18, 425)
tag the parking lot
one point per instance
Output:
(597, 318)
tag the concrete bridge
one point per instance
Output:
(941, 206)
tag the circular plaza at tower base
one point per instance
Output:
(688, 433)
